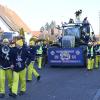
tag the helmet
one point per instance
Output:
(31, 42)
(5, 40)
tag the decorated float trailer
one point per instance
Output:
(70, 49)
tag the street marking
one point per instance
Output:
(96, 97)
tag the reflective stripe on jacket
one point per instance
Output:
(90, 52)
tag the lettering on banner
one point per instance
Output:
(73, 56)
(64, 55)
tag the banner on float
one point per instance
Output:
(65, 56)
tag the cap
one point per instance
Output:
(5, 40)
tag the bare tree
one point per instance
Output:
(52, 26)
(42, 29)
(47, 26)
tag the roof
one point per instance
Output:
(97, 35)
(35, 33)
(12, 20)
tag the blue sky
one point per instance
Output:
(35, 13)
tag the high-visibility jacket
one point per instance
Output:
(44, 49)
(39, 50)
(90, 52)
(97, 49)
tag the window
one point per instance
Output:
(74, 31)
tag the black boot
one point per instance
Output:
(28, 80)
(38, 78)
(10, 90)
(2, 95)
(13, 95)
(21, 93)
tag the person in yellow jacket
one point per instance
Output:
(39, 52)
(5, 70)
(90, 56)
(97, 55)
(19, 57)
(31, 68)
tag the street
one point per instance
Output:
(63, 84)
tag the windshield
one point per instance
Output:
(7, 35)
(74, 31)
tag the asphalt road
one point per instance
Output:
(63, 84)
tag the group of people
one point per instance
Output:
(93, 46)
(93, 55)
(16, 58)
